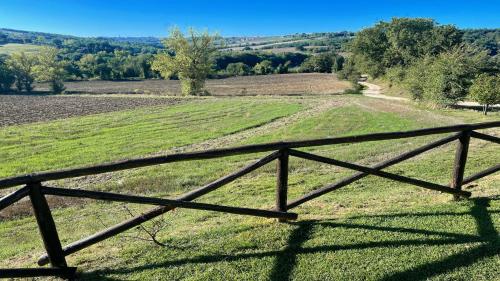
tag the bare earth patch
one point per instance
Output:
(278, 84)
(19, 109)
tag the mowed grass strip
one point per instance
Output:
(111, 136)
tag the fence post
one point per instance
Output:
(282, 182)
(460, 160)
(46, 226)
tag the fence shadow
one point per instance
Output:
(286, 259)
(490, 247)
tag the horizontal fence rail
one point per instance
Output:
(108, 196)
(35, 190)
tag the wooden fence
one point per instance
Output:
(35, 189)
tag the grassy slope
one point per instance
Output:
(111, 136)
(10, 48)
(372, 230)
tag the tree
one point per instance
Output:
(50, 68)
(95, 66)
(401, 42)
(264, 67)
(319, 63)
(338, 63)
(117, 64)
(21, 65)
(7, 78)
(350, 72)
(446, 78)
(486, 90)
(415, 77)
(237, 69)
(450, 74)
(191, 59)
(282, 68)
(369, 48)
(88, 65)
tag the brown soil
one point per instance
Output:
(21, 109)
(278, 84)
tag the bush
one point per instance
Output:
(282, 68)
(486, 90)
(319, 63)
(237, 69)
(57, 86)
(355, 90)
(395, 75)
(445, 79)
(7, 78)
(263, 67)
(350, 72)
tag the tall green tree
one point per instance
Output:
(401, 42)
(190, 58)
(22, 64)
(50, 68)
(486, 90)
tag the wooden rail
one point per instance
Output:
(281, 151)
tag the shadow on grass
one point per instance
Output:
(286, 259)
(490, 248)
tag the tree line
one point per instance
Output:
(75, 59)
(433, 62)
(23, 69)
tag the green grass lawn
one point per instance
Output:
(111, 136)
(374, 229)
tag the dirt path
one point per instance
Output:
(375, 91)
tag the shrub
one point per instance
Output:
(319, 63)
(263, 67)
(445, 79)
(7, 78)
(349, 72)
(355, 90)
(237, 69)
(486, 90)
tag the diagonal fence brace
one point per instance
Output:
(372, 171)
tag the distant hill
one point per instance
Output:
(42, 38)
(488, 39)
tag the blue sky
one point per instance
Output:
(233, 18)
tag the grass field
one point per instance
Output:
(373, 229)
(10, 48)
